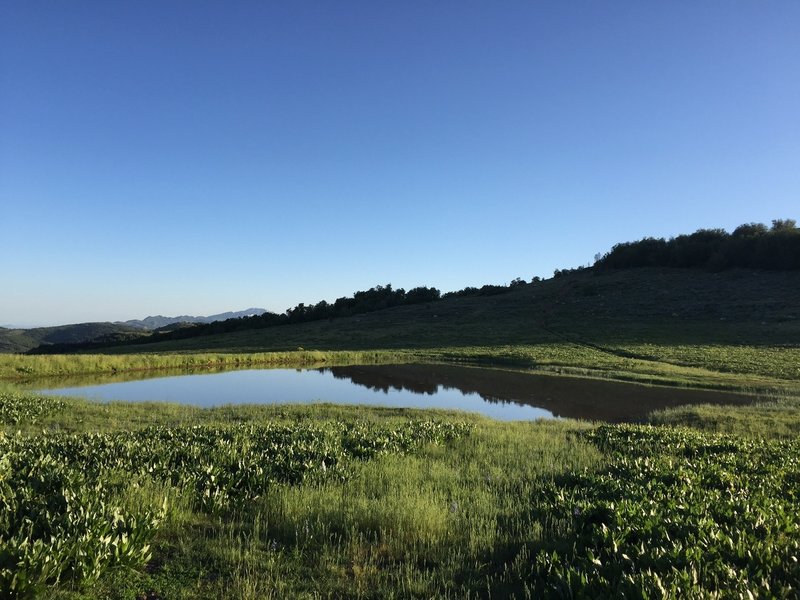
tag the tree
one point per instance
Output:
(750, 229)
(422, 294)
(784, 225)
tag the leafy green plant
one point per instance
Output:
(58, 519)
(16, 407)
(58, 524)
(677, 513)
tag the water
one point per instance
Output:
(505, 395)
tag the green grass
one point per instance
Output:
(512, 510)
(777, 419)
(676, 513)
(16, 367)
(347, 535)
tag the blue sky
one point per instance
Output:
(178, 157)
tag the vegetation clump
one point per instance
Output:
(62, 497)
(16, 407)
(676, 513)
(58, 523)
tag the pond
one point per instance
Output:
(504, 395)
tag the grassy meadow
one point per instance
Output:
(158, 501)
(166, 501)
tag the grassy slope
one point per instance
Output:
(22, 340)
(736, 329)
(661, 306)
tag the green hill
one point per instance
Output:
(655, 305)
(737, 329)
(707, 287)
(22, 340)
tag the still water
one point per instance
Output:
(505, 395)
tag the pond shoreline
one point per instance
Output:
(499, 393)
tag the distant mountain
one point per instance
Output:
(22, 340)
(159, 321)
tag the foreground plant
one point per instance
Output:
(60, 512)
(18, 407)
(58, 524)
(676, 514)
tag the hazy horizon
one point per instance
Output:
(162, 158)
(137, 318)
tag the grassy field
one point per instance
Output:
(165, 501)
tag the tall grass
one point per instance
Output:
(425, 525)
(776, 417)
(752, 370)
(19, 367)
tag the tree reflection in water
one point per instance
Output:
(566, 397)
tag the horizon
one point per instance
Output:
(158, 159)
(123, 321)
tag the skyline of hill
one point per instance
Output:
(708, 251)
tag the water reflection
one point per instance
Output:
(497, 393)
(97, 379)
(566, 397)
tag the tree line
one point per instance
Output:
(749, 246)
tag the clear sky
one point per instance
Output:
(188, 157)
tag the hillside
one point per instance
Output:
(655, 305)
(735, 330)
(707, 285)
(22, 340)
